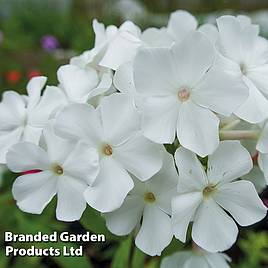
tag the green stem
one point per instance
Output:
(239, 134)
(231, 124)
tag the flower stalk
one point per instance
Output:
(239, 134)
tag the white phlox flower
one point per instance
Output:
(204, 197)
(88, 79)
(119, 44)
(182, 23)
(113, 129)
(196, 258)
(22, 118)
(124, 82)
(61, 168)
(247, 55)
(147, 208)
(181, 91)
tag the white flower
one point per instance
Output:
(203, 198)
(194, 259)
(120, 46)
(66, 169)
(23, 118)
(80, 84)
(149, 203)
(181, 89)
(113, 130)
(124, 82)
(262, 147)
(247, 56)
(256, 176)
(89, 79)
(180, 24)
(154, 37)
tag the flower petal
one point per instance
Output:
(82, 163)
(26, 156)
(12, 109)
(263, 164)
(159, 118)
(79, 121)
(191, 63)
(254, 109)
(258, 76)
(220, 91)
(110, 187)
(122, 49)
(180, 24)
(262, 145)
(7, 139)
(34, 88)
(197, 129)
(183, 209)
(140, 157)
(154, 72)
(31, 134)
(155, 233)
(229, 162)
(123, 220)
(77, 82)
(123, 78)
(192, 176)
(211, 32)
(176, 260)
(103, 86)
(164, 183)
(218, 260)
(241, 200)
(34, 191)
(236, 39)
(52, 99)
(213, 230)
(71, 202)
(120, 118)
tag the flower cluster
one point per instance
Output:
(100, 137)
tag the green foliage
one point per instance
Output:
(122, 254)
(255, 250)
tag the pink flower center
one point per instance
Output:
(183, 95)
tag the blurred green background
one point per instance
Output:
(36, 37)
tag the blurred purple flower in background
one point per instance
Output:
(49, 43)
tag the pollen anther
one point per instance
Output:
(107, 149)
(183, 95)
(57, 169)
(209, 190)
(149, 197)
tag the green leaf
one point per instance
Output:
(70, 262)
(121, 258)
(94, 222)
(3, 260)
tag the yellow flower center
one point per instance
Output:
(107, 149)
(209, 190)
(149, 197)
(57, 169)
